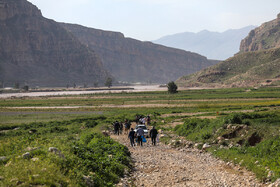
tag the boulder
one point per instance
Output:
(26, 155)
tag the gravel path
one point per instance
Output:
(162, 165)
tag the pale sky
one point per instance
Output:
(151, 19)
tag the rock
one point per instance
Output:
(26, 155)
(88, 181)
(35, 159)
(270, 174)
(105, 133)
(56, 151)
(53, 150)
(275, 184)
(1, 178)
(205, 146)
(8, 164)
(3, 158)
(256, 162)
(31, 149)
(197, 145)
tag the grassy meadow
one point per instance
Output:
(57, 141)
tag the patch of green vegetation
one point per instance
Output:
(249, 139)
(61, 153)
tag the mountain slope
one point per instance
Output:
(246, 69)
(130, 60)
(213, 45)
(38, 51)
(266, 36)
(254, 68)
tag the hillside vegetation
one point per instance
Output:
(256, 64)
(245, 69)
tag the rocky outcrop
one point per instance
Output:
(131, 60)
(266, 36)
(38, 51)
(257, 63)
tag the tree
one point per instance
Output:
(25, 88)
(108, 82)
(172, 87)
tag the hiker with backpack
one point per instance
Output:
(140, 135)
(126, 127)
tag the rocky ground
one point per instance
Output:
(163, 165)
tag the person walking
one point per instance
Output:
(153, 135)
(140, 135)
(117, 127)
(131, 137)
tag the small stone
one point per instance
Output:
(8, 164)
(31, 148)
(3, 158)
(53, 150)
(35, 159)
(270, 174)
(205, 146)
(256, 162)
(26, 155)
(1, 178)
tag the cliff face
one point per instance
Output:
(38, 51)
(257, 64)
(135, 61)
(266, 36)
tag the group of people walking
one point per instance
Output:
(136, 135)
(118, 127)
(140, 138)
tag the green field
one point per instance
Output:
(72, 124)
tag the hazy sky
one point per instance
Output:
(152, 19)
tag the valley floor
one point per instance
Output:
(163, 165)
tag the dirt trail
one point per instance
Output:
(162, 165)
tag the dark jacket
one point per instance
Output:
(131, 134)
(153, 133)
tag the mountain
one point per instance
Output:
(38, 51)
(213, 45)
(259, 66)
(130, 60)
(266, 36)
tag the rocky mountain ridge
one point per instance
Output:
(257, 64)
(39, 52)
(131, 60)
(266, 36)
(213, 45)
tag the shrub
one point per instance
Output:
(172, 87)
